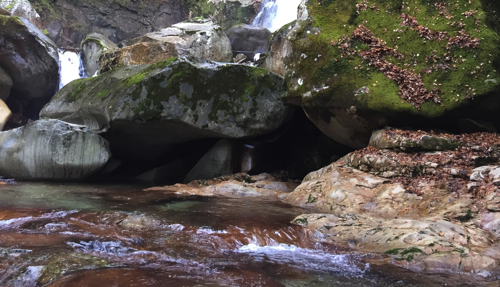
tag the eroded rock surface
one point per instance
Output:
(51, 149)
(147, 109)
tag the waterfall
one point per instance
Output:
(274, 14)
(70, 67)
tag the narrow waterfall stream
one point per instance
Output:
(70, 67)
(274, 14)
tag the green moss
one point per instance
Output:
(394, 251)
(102, 94)
(411, 250)
(323, 64)
(45, 31)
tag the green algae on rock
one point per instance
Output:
(146, 109)
(358, 65)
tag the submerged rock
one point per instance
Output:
(92, 48)
(357, 69)
(145, 110)
(51, 149)
(201, 39)
(32, 62)
(235, 185)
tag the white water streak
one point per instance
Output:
(70, 67)
(274, 14)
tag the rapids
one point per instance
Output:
(54, 234)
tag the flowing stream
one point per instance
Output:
(274, 14)
(70, 67)
(54, 234)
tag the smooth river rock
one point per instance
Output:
(145, 110)
(51, 149)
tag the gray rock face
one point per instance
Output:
(5, 84)
(92, 48)
(216, 162)
(248, 40)
(69, 21)
(144, 110)
(201, 40)
(51, 149)
(30, 59)
(22, 8)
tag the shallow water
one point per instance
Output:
(54, 234)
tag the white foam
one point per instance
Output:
(274, 14)
(306, 259)
(15, 222)
(70, 67)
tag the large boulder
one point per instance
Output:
(358, 68)
(248, 40)
(202, 40)
(92, 48)
(5, 84)
(22, 8)
(147, 109)
(31, 61)
(218, 161)
(51, 149)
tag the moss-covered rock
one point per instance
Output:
(92, 48)
(225, 13)
(21, 8)
(200, 38)
(147, 109)
(358, 65)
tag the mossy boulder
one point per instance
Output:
(355, 66)
(201, 39)
(145, 110)
(224, 13)
(21, 8)
(51, 149)
(92, 47)
(31, 61)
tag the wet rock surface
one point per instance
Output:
(21, 8)
(201, 39)
(51, 149)
(144, 110)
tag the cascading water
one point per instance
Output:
(70, 67)
(274, 14)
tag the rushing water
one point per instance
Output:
(70, 67)
(274, 14)
(55, 234)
